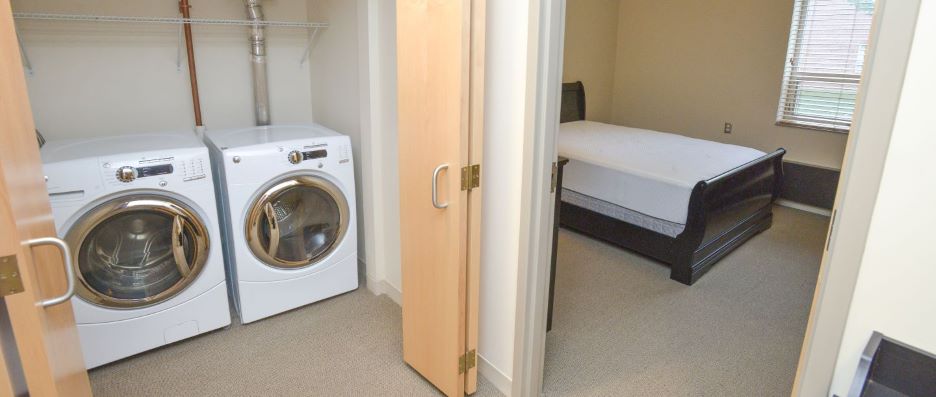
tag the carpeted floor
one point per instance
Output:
(621, 327)
(350, 345)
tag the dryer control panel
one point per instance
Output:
(297, 156)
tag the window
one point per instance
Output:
(828, 40)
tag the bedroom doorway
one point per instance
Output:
(619, 321)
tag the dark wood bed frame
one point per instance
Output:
(724, 211)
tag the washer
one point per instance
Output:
(139, 214)
(287, 196)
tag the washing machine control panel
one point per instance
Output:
(127, 174)
(159, 171)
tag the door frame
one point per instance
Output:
(892, 35)
(544, 88)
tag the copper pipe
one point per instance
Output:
(190, 51)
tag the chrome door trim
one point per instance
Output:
(185, 217)
(258, 209)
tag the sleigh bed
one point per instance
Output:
(683, 201)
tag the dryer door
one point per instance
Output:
(137, 250)
(297, 222)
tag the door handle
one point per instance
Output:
(273, 224)
(435, 187)
(69, 269)
(178, 251)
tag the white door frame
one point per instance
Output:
(866, 149)
(892, 35)
(544, 89)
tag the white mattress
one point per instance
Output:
(647, 172)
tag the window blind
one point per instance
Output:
(828, 40)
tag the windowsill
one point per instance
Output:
(811, 127)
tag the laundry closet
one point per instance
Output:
(199, 158)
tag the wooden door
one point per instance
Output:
(45, 337)
(440, 100)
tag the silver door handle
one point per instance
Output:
(178, 250)
(435, 187)
(69, 269)
(273, 225)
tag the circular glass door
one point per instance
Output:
(297, 222)
(137, 250)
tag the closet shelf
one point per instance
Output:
(314, 28)
(166, 20)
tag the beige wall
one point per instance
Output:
(590, 47)
(689, 66)
(335, 92)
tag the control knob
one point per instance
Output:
(126, 174)
(295, 157)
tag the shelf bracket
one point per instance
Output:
(27, 65)
(180, 44)
(308, 49)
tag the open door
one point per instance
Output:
(40, 347)
(440, 82)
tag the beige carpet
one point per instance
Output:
(623, 328)
(350, 345)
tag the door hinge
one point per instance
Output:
(470, 177)
(10, 280)
(555, 177)
(467, 361)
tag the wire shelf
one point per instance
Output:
(166, 20)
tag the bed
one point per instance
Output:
(683, 201)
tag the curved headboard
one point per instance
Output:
(573, 102)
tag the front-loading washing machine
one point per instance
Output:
(139, 214)
(287, 197)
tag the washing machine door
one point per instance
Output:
(137, 250)
(297, 222)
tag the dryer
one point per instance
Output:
(287, 198)
(139, 214)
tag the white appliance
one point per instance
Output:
(139, 214)
(287, 196)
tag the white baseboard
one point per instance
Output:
(497, 378)
(804, 207)
(384, 288)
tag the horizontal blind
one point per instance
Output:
(828, 40)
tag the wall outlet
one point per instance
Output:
(728, 128)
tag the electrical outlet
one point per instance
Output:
(728, 128)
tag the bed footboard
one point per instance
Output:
(724, 212)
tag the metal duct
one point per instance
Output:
(258, 61)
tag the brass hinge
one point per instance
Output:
(467, 361)
(470, 177)
(472, 359)
(10, 280)
(555, 177)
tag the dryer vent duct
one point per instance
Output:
(259, 63)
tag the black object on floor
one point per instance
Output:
(889, 368)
